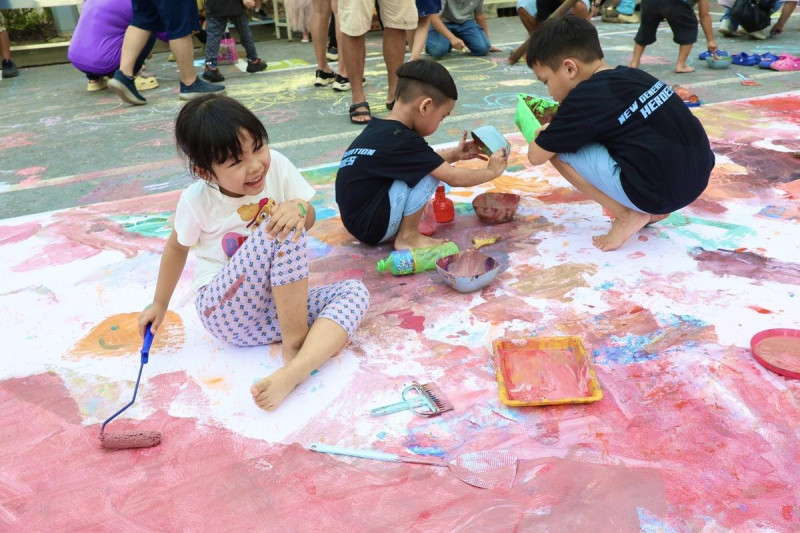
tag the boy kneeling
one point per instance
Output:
(620, 136)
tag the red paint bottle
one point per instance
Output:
(443, 206)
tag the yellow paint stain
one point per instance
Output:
(461, 192)
(118, 336)
(216, 383)
(331, 232)
(507, 183)
(551, 283)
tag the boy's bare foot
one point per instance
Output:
(622, 228)
(271, 391)
(683, 69)
(415, 241)
(656, 218)
(633, 64)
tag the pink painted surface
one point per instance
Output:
(534, 373)
(691, 435)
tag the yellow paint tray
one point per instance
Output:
(544, 371)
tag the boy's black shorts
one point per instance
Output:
(178, 18)
(678, 14)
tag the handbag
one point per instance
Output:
(752, 15)
(227, 50)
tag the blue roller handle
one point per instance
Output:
(148, 340)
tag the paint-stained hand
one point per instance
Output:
(465, 149)
(285, 217)
(498, 162)
(154, 313)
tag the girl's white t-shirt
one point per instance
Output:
(216, 225)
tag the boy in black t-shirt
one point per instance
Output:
(389, 172)
(620, 136)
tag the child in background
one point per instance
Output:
(299, 14)
(680, 16)
(389, 172)
(252, 271)
(218, 13)
(641, 155)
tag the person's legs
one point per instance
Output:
(215, 30)
(183, 50)
(254, 63)
(394, 52)
(133, 44)
(338, 33)
(651, 18)
(420, 37)
(593, 172)
(406, 207)
(5, 45)
(320, 16)
(472, 35)
(683, 22)
(355, 19)
(437, 44)
(528, 19)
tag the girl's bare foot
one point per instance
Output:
(271, 391)
(415, 241)
(622, 229)
(683, 69)
(288, 353)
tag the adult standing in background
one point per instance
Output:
(321, 22)
(179, 18)
(355, 21)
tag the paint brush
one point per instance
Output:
(747, 81)
(132, 439)
(428, 401)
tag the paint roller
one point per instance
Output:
(131, 439)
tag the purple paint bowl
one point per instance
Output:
(467, 271)
(495, 207)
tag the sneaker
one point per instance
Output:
(10, 70)
(212, 74)
(332, 54)
(125, 88)
(199, 88)
(742, 32)
(760, 35)
(726, 28)
(342, 84)
(324, 79)
(256, 65)
(97, 85)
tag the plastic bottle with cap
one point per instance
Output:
(414, 260)
(443, 206)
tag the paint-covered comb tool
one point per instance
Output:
(132, 439)
(424, 399)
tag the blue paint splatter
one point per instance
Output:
(427, 450)
(626, 349)
(314, 372)
(381, 435)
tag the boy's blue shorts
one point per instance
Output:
(404, 201)
(178, 18)
(428, 7)
(596, 165)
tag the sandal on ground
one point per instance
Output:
(354, 113)
(746, 60)
(97, 85)
(786, 62)
(768, 59)
(145, 84)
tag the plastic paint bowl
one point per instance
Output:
(778, 350)
(467, 271)
(490, 140)
(495, 207)
(718, 63)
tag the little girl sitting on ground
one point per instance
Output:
(246, 218)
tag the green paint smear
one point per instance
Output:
(730, 239)
(515, 168)
(153, 225)
(321, 175)
(287, 63)
(105, 346)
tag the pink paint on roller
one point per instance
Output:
(130, 439)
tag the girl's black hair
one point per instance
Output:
(209, 130)
(423, 77)
(557, 39)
